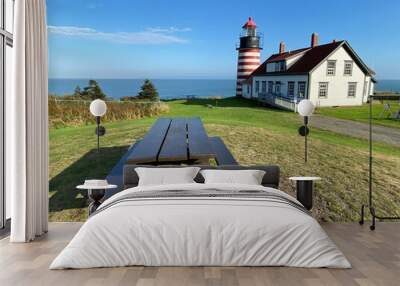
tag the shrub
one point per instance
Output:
(76, 112)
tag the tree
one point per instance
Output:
(93, 91)
(77, 91)
(148, 91)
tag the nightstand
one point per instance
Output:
(96, 191)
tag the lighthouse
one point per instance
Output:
(249, 53)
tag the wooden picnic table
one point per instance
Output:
(174, 140)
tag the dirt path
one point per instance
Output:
(356, 129)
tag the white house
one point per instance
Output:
(329, 75)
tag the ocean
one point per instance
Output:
(167, 88)
(173, 88)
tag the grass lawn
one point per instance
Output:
(255, 135)
(361, 113)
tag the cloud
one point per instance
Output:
(168, 30)
(150, 36)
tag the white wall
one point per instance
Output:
(290, 61)
(337, 84)
(368, 88)
(283, 79)
(372, 88)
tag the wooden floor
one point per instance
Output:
(375, 257)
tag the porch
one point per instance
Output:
(280, 101)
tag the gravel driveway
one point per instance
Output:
(357, 129)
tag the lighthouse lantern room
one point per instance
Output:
(249, 53)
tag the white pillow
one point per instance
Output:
(247, 177)
(166, 176)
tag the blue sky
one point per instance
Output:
(196, 39)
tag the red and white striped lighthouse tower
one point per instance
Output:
(249, 53)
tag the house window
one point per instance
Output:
(290, 88)
(323, 90)
(278, 87)
(279, 66)
(248, 89)
(351, 90)
(348, 67)
(270, 87)
(257, 86)
(282, 65)
(263, 86)
(301, 88)
(331, 68)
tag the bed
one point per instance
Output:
(198, 224)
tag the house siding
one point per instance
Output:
(338, 83)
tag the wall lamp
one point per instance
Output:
(305, 109)
(98, 108)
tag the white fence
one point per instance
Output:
(279, 101)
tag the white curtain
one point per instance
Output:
(27, 125)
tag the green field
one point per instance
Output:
(255, 135)
(361, 113)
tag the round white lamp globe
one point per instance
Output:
(305, 107)
(98, 107)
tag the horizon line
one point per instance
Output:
(175, 78)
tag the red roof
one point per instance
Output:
(280, 57)
(311, 58)
(249, 24)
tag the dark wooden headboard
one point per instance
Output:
(270, 179)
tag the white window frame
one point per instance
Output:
(283, 65)
(264, 86)
(277, 66)
(323, 86)
(270, 88)
(290, 88)
(280, 66)
(350, 73)
(350, 92)
(299, 89)
(331, 70)
(257, 86)
(278, 87)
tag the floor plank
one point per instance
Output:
(375, 257)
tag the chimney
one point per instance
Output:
(281, 47)
(334, 41)
(314, 40)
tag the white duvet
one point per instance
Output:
(200, 231)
